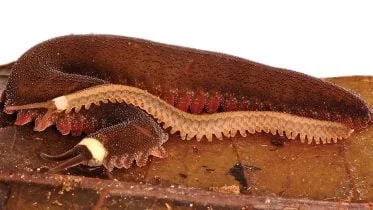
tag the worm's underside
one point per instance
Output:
(198, 94)
(192, 126)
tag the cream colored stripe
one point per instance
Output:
(226, 123)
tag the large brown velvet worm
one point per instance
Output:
(125, 94)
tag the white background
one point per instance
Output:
(321, 38)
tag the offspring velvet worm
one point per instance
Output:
(124, 92)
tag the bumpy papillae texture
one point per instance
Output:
(125, 160)
(209, 125)
(133, 136)
(135, 139)
(204, 94)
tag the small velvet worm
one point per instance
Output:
(125, 93)
(199, 126)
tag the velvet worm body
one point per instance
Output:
(124, 92)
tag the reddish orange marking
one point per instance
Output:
(184, 101)
(23, 117)
(64, 126)
(42, 122)
(213, 102)
(199, 102)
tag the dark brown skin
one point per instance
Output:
(192, 80)
(55, 67)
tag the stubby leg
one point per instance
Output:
(117, 146)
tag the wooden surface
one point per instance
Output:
(257, 171)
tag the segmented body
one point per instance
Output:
(197, 93)
(207, 125)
